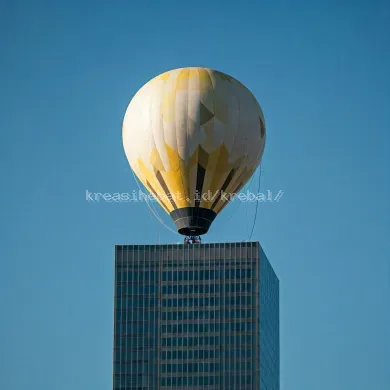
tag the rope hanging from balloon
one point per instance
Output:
(239, 204)
(257, 204)
(234, 211)
(152, 209)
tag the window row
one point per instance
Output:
(210, 327)
(190, 341)
(176, 247)
(184, 289)
(127, 354)
(184, 315)
(136, 302)
(183, 259)
(137, 367)
(122, 315)
(191, 368)
(207, 288)
(212, 380)
(143, 327)
(174, 276)
(206, 367)
(208, 301)
(190, 354)
(150, 367)
(140, 265)
(136, 342)
(135, 381)
(145, 330)
(137, 276)
(134, 315)
(150, 355)
(233, 354)
(214, 263)
(136, 289)
(143, 302)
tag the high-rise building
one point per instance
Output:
(195, 316)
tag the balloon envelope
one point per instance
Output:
(194, 137)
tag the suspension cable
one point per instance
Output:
(151, 209)
(257, 204)
(239, 204)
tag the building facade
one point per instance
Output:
(201, 316)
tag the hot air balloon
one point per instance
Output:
(194, 137)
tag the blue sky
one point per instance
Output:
(320, 70)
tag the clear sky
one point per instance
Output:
(320, 70)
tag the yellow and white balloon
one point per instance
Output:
(192, 132)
